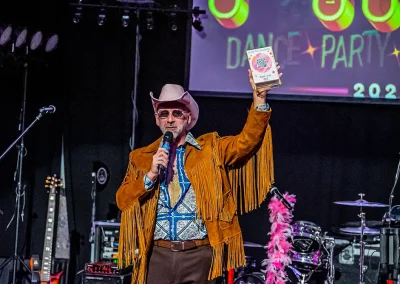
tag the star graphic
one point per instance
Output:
(396, 53)
(310, 49)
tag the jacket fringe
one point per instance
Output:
(208, 189)
(252, 181)
(236, 256)
(134, 231)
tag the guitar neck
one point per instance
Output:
(48, 240)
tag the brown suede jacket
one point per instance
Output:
(226, 173)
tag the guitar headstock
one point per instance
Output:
(52, 182)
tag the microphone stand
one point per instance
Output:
(392, 194)
(21, 137)
(389, 267)
(16, 258)
(94, 255)
(20, 188)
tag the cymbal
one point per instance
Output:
(361, 203)
(357, 230)
(252, 245)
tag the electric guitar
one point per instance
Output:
(52, 183)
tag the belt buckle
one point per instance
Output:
(177, 242)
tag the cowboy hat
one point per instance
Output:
(175, 93)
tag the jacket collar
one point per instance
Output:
(153, 147)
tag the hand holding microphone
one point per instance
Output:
(160, 159)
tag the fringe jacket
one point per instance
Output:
(230, 175)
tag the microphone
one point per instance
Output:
(279, 195)
(48, 109)
(166, 142)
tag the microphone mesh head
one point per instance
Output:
(168, 136)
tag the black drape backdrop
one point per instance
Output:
(323, 151)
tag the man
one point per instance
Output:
(182, 226)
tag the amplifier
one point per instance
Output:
(104, 267)
(95, 278)
(106, 239)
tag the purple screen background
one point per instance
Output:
(303, 74)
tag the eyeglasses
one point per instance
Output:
(177, 113)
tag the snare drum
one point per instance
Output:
(306, 245)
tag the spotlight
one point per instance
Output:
(51, 43)
(21, 37)
(77, 15)
(36, 40)
(197, 25)
(102, 18)
(125, 19)
(149, 21)
(172, 22)
(5, 34)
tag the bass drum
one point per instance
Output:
(251, 278)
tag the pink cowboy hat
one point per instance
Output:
(175, 93)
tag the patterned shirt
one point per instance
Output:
(178, 222)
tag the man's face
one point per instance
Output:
(173, 117)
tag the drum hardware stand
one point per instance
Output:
(329, 247)
(363, 267)
(304, 277)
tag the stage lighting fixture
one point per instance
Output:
(21, 36)
(149, 21)
(125, 19)
(172, 22)
(197, 22)
(196, 11)
(102, 18)
(37, 40)
(5, 34)
(51, 43)
(77, 15)
(197, 25)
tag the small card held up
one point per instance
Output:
(263, 67)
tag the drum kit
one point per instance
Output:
(314, 250)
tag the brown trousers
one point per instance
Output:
(179, 267)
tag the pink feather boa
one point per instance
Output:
(279, 247)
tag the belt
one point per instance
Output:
(181, 245)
